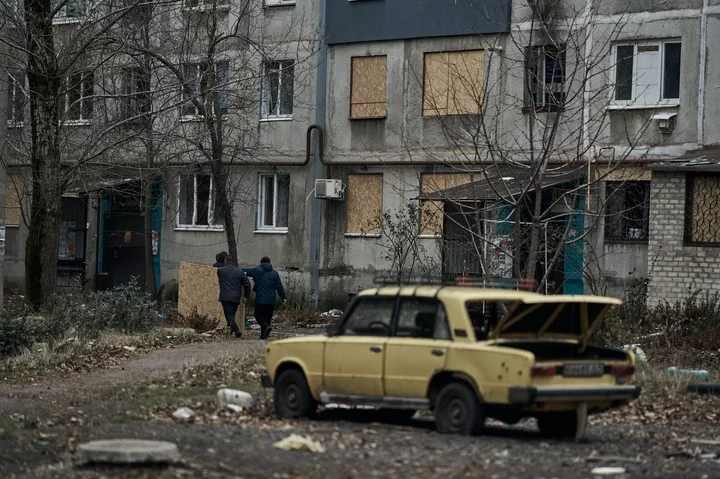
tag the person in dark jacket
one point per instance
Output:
(267, 285)
(220, 259)
(232, 279)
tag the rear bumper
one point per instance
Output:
(530, 395)
(265, 381)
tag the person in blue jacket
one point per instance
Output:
(267, 285)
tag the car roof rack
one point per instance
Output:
(468, 281)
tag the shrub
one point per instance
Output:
(199, 322)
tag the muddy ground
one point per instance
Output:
(41, 425)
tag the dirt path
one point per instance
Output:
(155, 364)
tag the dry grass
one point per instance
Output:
(199, 322)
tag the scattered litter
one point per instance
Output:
(709, 456)
(698, 373)
(234, 407)
(129, 348)
(184, 413)
(637, 351)
(252, 374)
(333, 313)
(607, 471)
(295, 442)
(233, 396)
(705, 442)
(612, 459)
(207, 335)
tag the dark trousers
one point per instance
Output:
(230, 310)
(263, 316)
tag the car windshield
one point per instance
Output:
(485, 316)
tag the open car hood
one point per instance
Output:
(555, 316)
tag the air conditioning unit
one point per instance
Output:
(329, 189)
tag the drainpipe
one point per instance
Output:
(317, 165)
(703, 67)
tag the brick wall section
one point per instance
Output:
(674, 267)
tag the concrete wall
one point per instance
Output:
(676, 266)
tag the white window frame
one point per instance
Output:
(198, 71)
(266, 115)
(633, 103)
(133, 98)
(78, 121)
(206, 5)
(62, 18)
(211, 226)
(262, 198)
(277, 3)
(15, 90)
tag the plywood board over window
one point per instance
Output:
(453, 83)
(13, 195)
(369, 87)
(431, 212)
(364, 204)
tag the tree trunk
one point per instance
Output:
(220, 182)
(535, 232)
(44, 80)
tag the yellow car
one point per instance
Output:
(466, 353)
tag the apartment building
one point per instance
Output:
(437, 105)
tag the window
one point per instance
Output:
(453, 83)
(628, 210)
(274, 202)
(198, 202)
(271, 3)
(702, 210)
(545, 78)
(422, 318)
(486, 315)
(15, 101)
(368, 87)
(209, 85)
(13, 195)
(370, 317)
(135, 91)
(204, 4)
(364, 204)
(647, 73)
(72, 11)
(277, 98)
(79, 97)
(431, 211)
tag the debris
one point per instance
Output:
(129, 348)
(705, 442)
(637, 351)
(607, 471)
(184, 413)
(698, 373)
(333, 313)
(295, 442)
(709, 456)
(233, 396)
(252, 374)
(612, 459)
(127, 451)
(704, 389)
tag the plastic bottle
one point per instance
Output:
(697, 373)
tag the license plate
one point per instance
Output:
(583, 370)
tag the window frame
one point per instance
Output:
(200, 70)
(260, 226)
(278, 3)
(206, 5)
(435, 113)
(14, 90)
(84, 74)
(340, 329)
(541, 53)
(352, 81)
(439, 307)
(136, 102)
(265, 114)
(61, 16)
(211, 226)
(646, 212)
(633, 103)
(688, 219)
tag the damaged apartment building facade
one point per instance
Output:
(361, 108)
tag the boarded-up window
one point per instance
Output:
(431, 212)
(702, 223)
(13, 194)
(364, 204)
(453, 83)
(369, 86)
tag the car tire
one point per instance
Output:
(292, 395)
(458, 410)
(558, 425)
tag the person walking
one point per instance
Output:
(220, 259)
(232, 280)
(267, 285)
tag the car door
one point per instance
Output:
(417, 348)
(354, 356)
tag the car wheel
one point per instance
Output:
(458, 411)
(292, 395)
(558, 425)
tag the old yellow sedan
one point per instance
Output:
(466, 353)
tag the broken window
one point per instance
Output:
(545, 78)
(197, 201)
(453, 83)
(369, 87)
(627, 210)
(277, 89)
